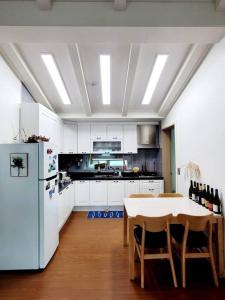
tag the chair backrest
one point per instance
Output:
(141, 196)
(153, 224)
(195, 223)
(169, 195)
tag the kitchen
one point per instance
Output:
(103, 155)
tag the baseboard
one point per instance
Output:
(98, 208)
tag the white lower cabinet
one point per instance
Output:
(115, 192)
(82, 193)
(65, 204)
(112, 192)
(98, 192)
(154, 187)
(131, 187)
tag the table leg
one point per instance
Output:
(220, 242)
(124, 227)
(131, 249)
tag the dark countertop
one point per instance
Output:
(118, 178)
(111, 175)
(62, 186)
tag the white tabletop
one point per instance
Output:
(155, 207)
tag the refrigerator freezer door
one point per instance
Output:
(49, 232)
(48, 160)
(19, 218)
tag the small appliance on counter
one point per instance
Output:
(62, 176)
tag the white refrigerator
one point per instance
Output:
(29, 232)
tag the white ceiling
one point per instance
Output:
(132, 51)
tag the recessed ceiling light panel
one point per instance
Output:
(105, 78)
(154, 78)
(53, 70)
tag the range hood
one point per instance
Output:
(148, 135)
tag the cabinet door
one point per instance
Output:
(70, 138)
(98, 192)
(98, 132)
(130, 139)
(82, 193)
(115, 132)
(71, 197)
(154, 187)
(131, 187)
(60, 210)
(115, 192)
(83, 138)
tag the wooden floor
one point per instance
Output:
(91, 264)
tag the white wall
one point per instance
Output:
(199, 118)
(10, 99)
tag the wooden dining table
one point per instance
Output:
(155, 207)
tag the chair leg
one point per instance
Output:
(135, 254)
(213, 267)
(142, 273)
(173, 272)
(183, 267)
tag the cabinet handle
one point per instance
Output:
(83, 152)
(97, 180)
(115, 180)
(67, 188)
(81, 181)
(60, 193)
(132, 181)
(129, 152)
(114, 138)
(70, 152)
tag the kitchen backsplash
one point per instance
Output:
(145, 159)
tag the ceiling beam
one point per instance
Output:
(120, 4)
(16, 62)
(112, 117)
(94, 13)
(79, 73)
(44, 4)
(131, 71)
(194, 58)
(220, 5)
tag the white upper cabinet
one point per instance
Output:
(69, 138)
(99, 132)
(39, 120)
(130, 139)
(115, 132)
(83, 138)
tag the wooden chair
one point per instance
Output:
(196, 236)
(169, 195)
(153, 233)
(141, 196)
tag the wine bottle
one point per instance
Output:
(211, 200)
(200, 194)
(216, 204)
(203, 195)
(197, 193)
(207, 196)
(191, 190)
